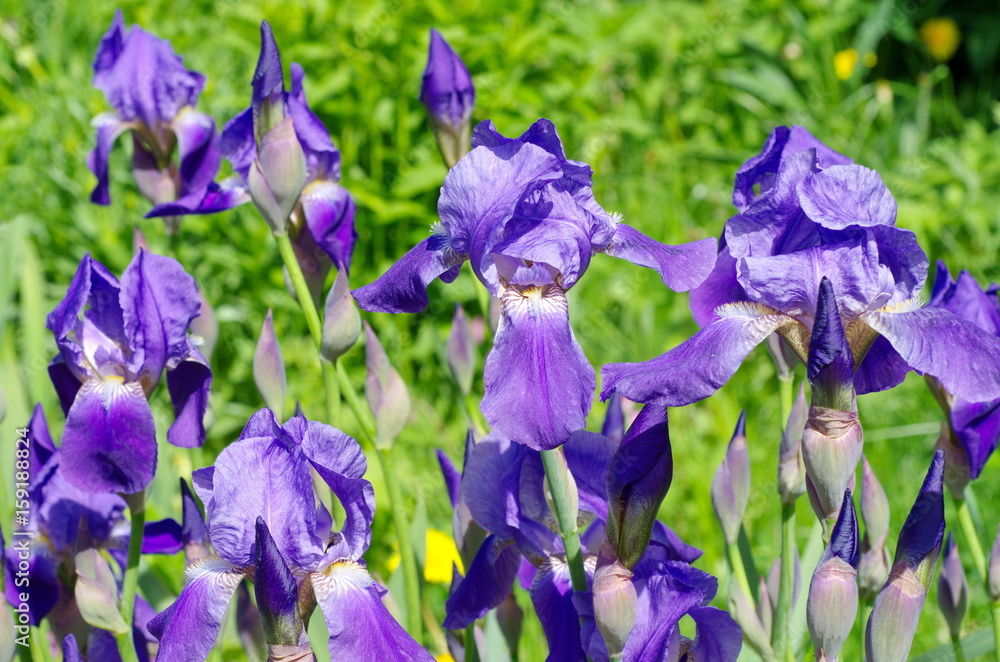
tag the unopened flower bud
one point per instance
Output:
(774, 576)
(448, 94)
(269, 368)
(276, 591)
(341, 319)
(833, 591)
(731, 484)
(957, 472)
(96, 591)
(765, 606)
(385, 391)
(205, 328)
(953, 589)
(873, 571)
(994, 570)
(268, 98)
(896, 612)
(831, 449)
(278, 175)
(638, 479)
(615, 603)
(461, 351)
(791, 467)
(784, 357)
(139, 242)
(874, 506)
(743, 613)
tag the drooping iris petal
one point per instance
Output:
(187, 629)
(683, 375)
(403, 289)
(977, 426)
(491, 484)
(360, 626)
(109, 442)
(162, 537)
(681, 267)
(846, 195)
(64, 381)
(159, 300)
(60, 507)
(329, 211)
(552, 596)
(341, 463)
(42, 576)
(966, 299)
(963, 357)
(675, 549)
(189, 385)
(282, 494)
(198, 150)
(663, 599)
(719, 638)
(488, 580)
(881, 369)
(539, 384)
(109, 126)
(218, 196)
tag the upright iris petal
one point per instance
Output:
(525, 217)
(806, 213)
(153, 96)
(115, 340)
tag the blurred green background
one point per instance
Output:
(664, 99)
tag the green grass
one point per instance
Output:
(663, 99)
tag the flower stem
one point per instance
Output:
(996, 629)
(738, 571)
(971, 536)
(785, 395)
(301, 288)
(471, 648)
(367, 436)
(565, 518)
(779, 636)
(39, 649)
(137, 511)
(956, 646)
(332, 388)
(406, 554)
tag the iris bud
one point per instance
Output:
(278, 175)
(957, 472)
(615, 602)
(833, 592)
(753, 630)
(96, 591)
(385, 391)
(341, 320)
(894, 617)
(994, 570)
(731, 484)
(205, 328)
(461, 351)
(831, 448)
(276, 591)
(448, 94)
(873, 569)
(953, 589)
(791, 467)
(269, 368)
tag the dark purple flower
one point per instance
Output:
(449, 96)
(815, 218)
(322, 217)
(525, 217)
(266, 474)
(115, 340)
(153, 96)
(975, 426)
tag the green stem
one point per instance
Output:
(332, 389)
(473, 416)
(996, 629)
(865, 612)
(406, 554)
(565, 518)
(40, 650)
(971, 536)
(956, 645)
(301, 288)
(738, 571)
(779, 635)
(471, 649)
(365, 421)
(137, 511)
(785, 393)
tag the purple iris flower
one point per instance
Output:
(525, 217)
(322, 220)
(815, 216)
(153, 96)
(42, 549)
(502, 485)
(975, 426)
(266, 474)
(115, 339)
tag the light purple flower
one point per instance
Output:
(449, 96)
(153, 96)
(815, 218)
(322, 220)
(266, 474)
(525, 217)
(115, 340)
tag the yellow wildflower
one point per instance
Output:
(942, 36)
(844, 62)
(441, 553)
